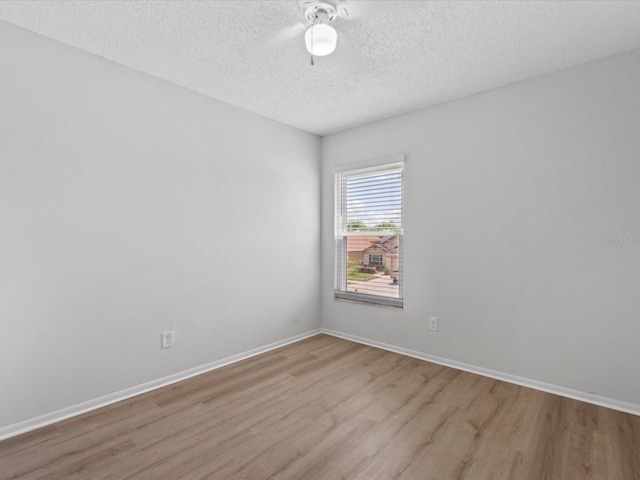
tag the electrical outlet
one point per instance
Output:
(433, 324)
(167, 339)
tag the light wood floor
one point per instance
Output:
(326, 409)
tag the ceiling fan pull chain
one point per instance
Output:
(312, 25)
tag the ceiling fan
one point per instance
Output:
(316, 29)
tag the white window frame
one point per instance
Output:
(341, 233)
(376, 263)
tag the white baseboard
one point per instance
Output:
(607, 402)
(74, 410)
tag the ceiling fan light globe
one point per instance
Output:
(325, 39)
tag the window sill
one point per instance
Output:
(368, 299)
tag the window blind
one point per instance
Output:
(369, 234)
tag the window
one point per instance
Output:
(375, 260)
(369, 232)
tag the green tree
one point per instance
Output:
(356, 226)
(387, 226)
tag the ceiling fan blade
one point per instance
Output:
(261, 45)
(356, 9)
(346, 56)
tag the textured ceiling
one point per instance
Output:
(392, 56)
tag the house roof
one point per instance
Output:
(388, 248)
(359, 244)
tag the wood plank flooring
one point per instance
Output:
(325, 408)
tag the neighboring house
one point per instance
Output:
(374, 250)
(357, 245)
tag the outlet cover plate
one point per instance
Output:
(433, 324)
(166, 339)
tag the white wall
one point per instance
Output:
(509, 194)
(129, 206)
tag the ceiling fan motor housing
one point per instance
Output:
(323, 11)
